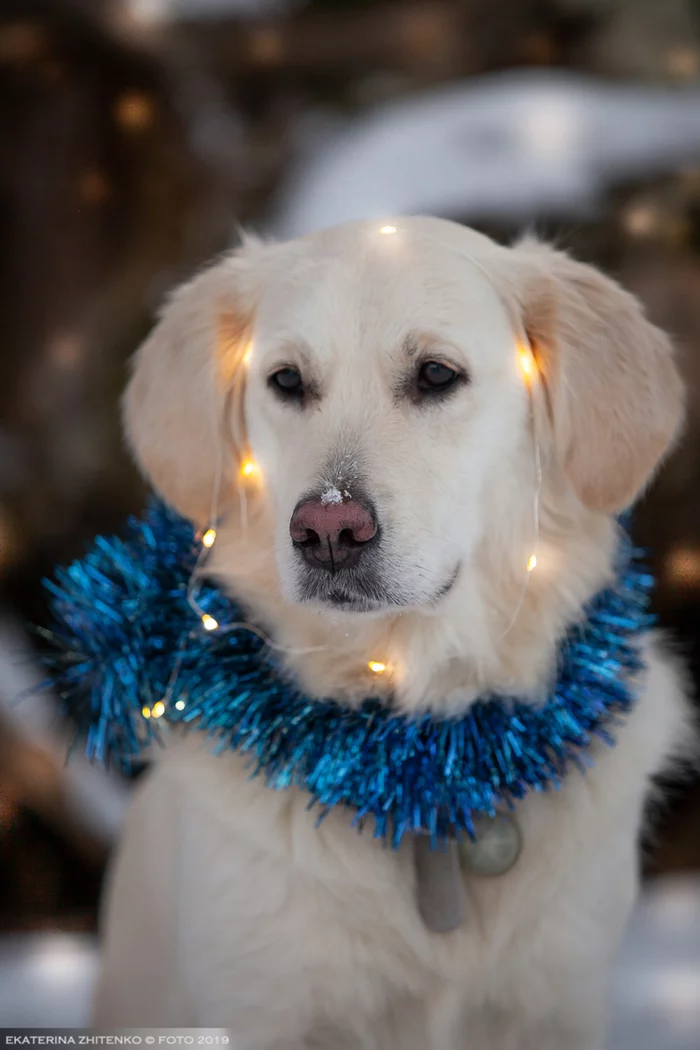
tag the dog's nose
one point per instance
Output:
(332, 535)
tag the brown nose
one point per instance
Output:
(332, 535)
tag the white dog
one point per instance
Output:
(376, 371)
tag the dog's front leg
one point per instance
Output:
(139, 983)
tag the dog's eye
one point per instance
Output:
(436, 377)
(287, 382)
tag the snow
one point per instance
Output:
(331, 495)
(512, 146)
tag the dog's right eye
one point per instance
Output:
(287, 383)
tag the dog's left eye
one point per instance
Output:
(287, 382)
(436, 377)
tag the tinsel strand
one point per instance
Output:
(125, 638)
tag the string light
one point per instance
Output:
(376, 667)
(266, 45)
(641, 219)
(528, 365)
(388, 229)
(94, 187)
(179, 705)
(683, 62)
(249, 468)
(146, 712)
(158, 709)
(682, 567)
(66, 350)
(134, 111)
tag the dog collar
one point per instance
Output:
(128, 657)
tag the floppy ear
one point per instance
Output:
(179, 406)
(614, 394)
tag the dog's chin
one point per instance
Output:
(349, 603)
(356, 596)
(347, 600)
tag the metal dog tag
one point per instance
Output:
(495, 848)
(440, 892)
(441, 895)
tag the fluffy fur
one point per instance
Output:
(226, 905)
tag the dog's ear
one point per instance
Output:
(614, 395)
(182, 403)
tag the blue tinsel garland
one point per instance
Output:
(126, 638)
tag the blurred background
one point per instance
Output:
(137, 137)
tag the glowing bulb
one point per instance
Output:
(209, 623)
(249, 468)
(209, 537)
(531, 562)
(388, 229)
(376, 667)
(146, 712)
(528, 365)
(179, 705)
(158, 709)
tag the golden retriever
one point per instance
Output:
(369, 379)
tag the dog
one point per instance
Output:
(386, 422)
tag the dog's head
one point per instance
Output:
(364, 387)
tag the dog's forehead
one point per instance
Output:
(356, 281)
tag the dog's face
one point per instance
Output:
(377, 385)
(378, 423)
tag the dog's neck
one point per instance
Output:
(471, 644)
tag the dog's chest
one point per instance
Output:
(272, 906)
(288, 927)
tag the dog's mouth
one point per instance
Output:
(349, 591)
(443, 591)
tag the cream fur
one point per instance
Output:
(227, 906)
